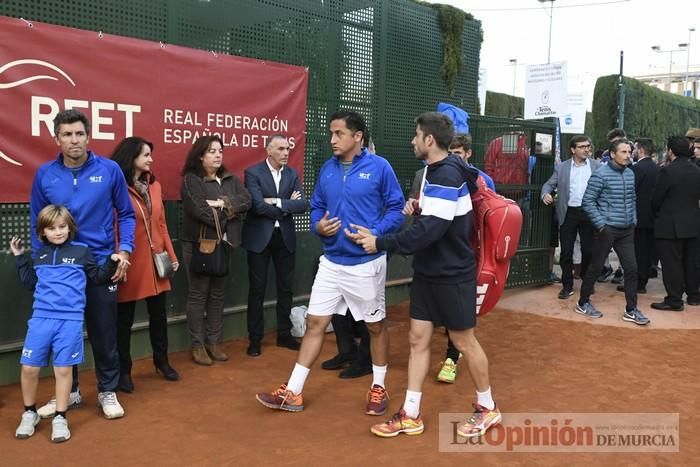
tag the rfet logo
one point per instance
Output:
(44, 108)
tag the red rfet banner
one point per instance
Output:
(169, 95)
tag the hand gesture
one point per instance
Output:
(363, 237)
(408, 207)
(547, 199)
(176, 265)
(295, 195)
(122, 258)
(328, 227)
(16, 246)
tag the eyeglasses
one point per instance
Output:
(583, 146)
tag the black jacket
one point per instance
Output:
(675, 200)
(645, 174)
(195, 192)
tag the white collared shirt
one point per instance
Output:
(578, 180)
(277, 177)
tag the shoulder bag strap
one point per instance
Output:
(145, 223)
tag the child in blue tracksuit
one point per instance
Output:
(58, 278)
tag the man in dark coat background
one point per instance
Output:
(676, 225)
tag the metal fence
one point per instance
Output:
(379, 57)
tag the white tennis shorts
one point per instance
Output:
(359, 288)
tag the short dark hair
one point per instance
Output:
(615, 133)
(271, 138)
(578, 139)
(126, 152)
(439, 126)
(647, 144)
(354, 121)
(68, 116)
(193, 163)
(616, 143)
(462, 140)
(48, 217)
(680, 146)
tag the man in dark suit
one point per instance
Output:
(677, 223)
(268, 233)
(570, 179)
(645, 174)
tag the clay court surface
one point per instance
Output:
(539, 363)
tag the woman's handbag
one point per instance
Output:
(162, 261)
(210, 257)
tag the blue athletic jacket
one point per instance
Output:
(58, 277)
(92, 194)
(368, 195)
(610, 198)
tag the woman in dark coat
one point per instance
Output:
(208, 190)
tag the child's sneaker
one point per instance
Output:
(60, 431)
(49, 409)
(448, 371)
(29, 420)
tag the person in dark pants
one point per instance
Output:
(134, 156)
(609, 202)
(676, 225)
(570, 179)
(645, 174)
(96, 194)
(269, 234)
(359, 357)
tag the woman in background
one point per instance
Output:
(133, 154)
(208, 190)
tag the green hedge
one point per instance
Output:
(649, 112)
(504, 105)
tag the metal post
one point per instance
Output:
(551, 20)
(687, 67)
(670, 71)
(621, 94)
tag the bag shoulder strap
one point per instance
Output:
(202, 228)
(146, 221)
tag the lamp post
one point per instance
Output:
(551, 18)
(686, 91)
(514, 64)
(658, 49)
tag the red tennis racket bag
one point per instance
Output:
(497, 225)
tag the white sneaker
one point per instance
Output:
(110, 405)
(49, 410)
(60, 432)
(26, 425)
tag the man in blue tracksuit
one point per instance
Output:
(93, 189)
(353, 187)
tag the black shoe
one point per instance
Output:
(338, 362)
(254, 349)
(356, 370)
(605, 274)
(621, 288)
(693, 301)
(618, 277)
(666, 307)
(125, 383)
(288, 342)
(167, 371)
(565, 293)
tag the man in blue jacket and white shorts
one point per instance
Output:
(353, 187)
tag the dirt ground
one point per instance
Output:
(537, 363)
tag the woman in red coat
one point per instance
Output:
(133, 155)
